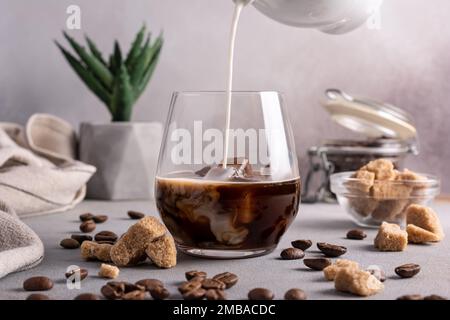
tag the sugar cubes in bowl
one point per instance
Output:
(377, 192)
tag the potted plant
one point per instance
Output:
(125, 153)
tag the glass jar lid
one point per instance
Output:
(368, 117)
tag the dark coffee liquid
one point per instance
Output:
(227, 215)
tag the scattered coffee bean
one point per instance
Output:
(150, 284)
(38, 284)
(292, 254)
(128, 286)
(213, 284)
(111, 291)
(356, 234)
(260, 294)
(87, 296)
(134, 295)
(81, 238)
(377, 272)
(159, 293)
(38, 296)
(194, 273)
(86, 217)
(213, 294)
(108, 236)
(434, 297)
(106, 242)
(317, 263)
(87, 226)
(331, 250)
(69, 244)
(100, 218)
(411, 297)
(135, 215)
(189, 286)
(230, 279)
(295, 294)
(81, 271)
(302, 244)
(407, 270)
(196, 294)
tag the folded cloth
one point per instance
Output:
(38, 175)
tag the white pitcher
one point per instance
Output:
(330, 16)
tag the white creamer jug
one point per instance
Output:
(329, 16)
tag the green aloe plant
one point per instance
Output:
(117, 82)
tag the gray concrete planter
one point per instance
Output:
(125, 155)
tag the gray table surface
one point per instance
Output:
(320, 222)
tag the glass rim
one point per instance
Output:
(223, 92)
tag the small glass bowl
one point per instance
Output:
(384, 200)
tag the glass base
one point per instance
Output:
(224, 254)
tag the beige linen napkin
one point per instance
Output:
(38, 175)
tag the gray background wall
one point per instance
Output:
(406, 63)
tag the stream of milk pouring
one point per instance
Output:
(239, 5)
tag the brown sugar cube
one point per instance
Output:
(96, 251)
(364, 182)
(425, 218)
(408, 175)
(382, 168)
(108, 271)
(419, 235)
(331, 271)
(391, 238)
(393, 190)
(390, 210)
(357, 282)
(364, 206)
(130, 248)
(163, 252)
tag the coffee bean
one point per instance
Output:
(213, 284)
(128, 286)
(159, 293)
(196, 294)
(407, 270)
(292, 254)
(87, 296)
(108, 236)
(100, 218)
(295, 294)
(135, 215)
(302, 244)
(106, 242)
(134, 295)
(150, 284)
(189, 286)
(111, 292)
(38, 284)
(213, 294)
(377, 272)
(260, 294)
(194, 273)
(411, 297)
(434, 297)
(317, 263)
(69, 244)
(356, 234)
(87, 226)
(81, 238)
(331, 250)
(81, 271)
(230, 279)
(38, 296)
(86, 217)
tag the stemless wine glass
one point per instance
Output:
(227, 209)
